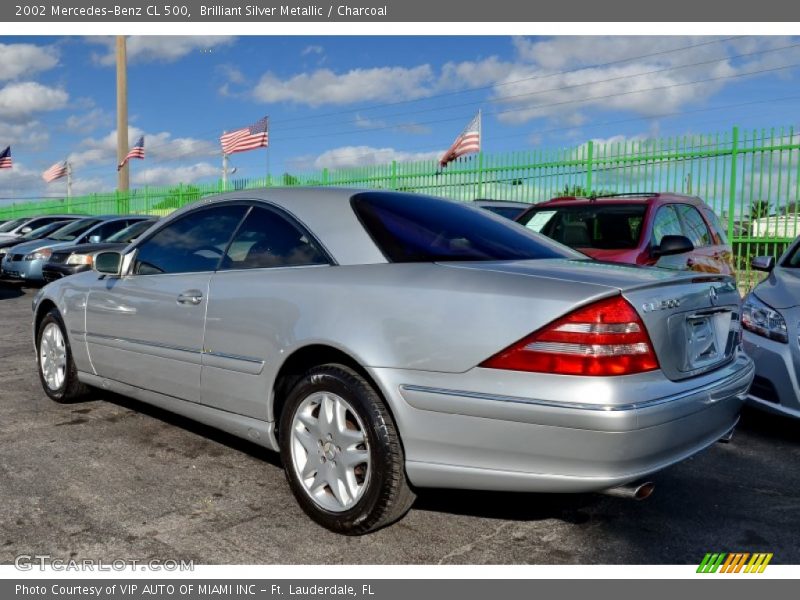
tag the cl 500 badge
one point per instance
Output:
(661, 305)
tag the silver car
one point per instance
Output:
(385, 341)
(771, 321)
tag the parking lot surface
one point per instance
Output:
(116, 479)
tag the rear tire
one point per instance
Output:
(341, 452)
(56, 367)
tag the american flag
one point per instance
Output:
(467, 142)
(247, 138)
(5, 158)
(136, 152)
(57, 171)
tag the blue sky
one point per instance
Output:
(344, 101)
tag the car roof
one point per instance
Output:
(624, 198)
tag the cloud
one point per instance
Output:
(26, 59)
(158, 48)
(363, 122)
(324, 86)
(88, 122)
(20, 100)
(174, 175)
(347, 157)
(312, 49)
(159, 147)
(558, 76)
(32, 134)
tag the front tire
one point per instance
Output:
(342, 453)
(56, 367)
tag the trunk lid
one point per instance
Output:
(692, 319)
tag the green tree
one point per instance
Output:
(759, 209)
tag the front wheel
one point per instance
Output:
(342, 454)
(57, 370)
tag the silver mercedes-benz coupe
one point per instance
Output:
(383, 342)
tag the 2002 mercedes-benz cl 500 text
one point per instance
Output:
(384, 342)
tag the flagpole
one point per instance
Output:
(224, 172)
(69, 179)
(267, 180)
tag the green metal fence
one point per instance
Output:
(750, 178)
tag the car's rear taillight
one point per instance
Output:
(604, 338)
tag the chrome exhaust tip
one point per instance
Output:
(640, 490)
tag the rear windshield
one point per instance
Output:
(598, 225)
(415, 228)
(73, 230)
(12, 224)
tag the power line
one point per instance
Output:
(502, 99)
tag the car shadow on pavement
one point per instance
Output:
(776, 427)
(516, 506)
(210, 433)
(9, 290)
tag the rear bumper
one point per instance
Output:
(776, 388)
(467, 439)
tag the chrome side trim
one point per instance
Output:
(99, 338)
(112, 338)
(249, 359)
(745, 375)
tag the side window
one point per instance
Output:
(666, 223)
(191, 244)
(267, 239)
(694, 226)
(716, 225)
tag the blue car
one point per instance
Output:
(25, 261)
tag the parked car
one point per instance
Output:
(381, 340)
(19, 227)
(505, 208)
(76, 259)
(36, 234)
(771, 322)
(25, 261)
(664, 229)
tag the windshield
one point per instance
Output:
(73, 230)
(42, 231)
(130, 233)
(12, 224)
(414, 228)
(598, 225)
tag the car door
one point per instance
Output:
(705, 256)
(254, 303)
(145, 328)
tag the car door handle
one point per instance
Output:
(190, 297)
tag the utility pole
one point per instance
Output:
(123, 181)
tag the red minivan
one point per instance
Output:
(659, 229)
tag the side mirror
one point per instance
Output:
(763, 263)
(107, 263)
(26, 229)
(95, 239)
(671, 245)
